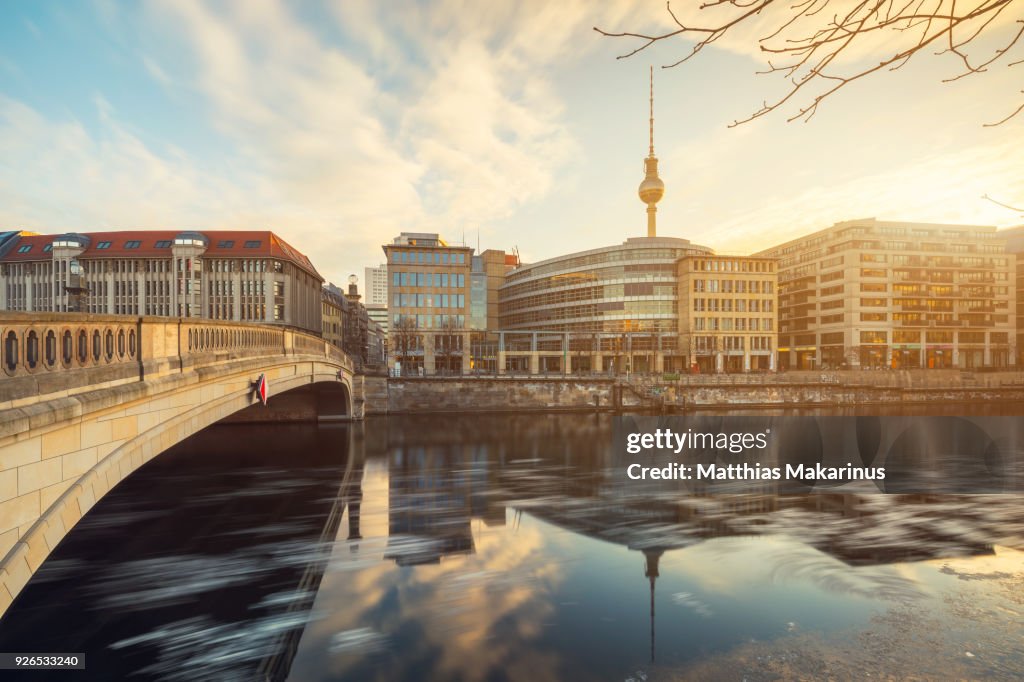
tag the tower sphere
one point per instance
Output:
(651, 190)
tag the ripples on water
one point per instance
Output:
(508, 548)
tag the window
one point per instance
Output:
(103, 245)
(132, 244)
(226, 244)
(48, 248)
(253, 244)
(25, 249)
(162, 244)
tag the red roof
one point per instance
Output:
(226, 243)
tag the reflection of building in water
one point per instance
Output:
(429, 505)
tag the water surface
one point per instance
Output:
(510, 547)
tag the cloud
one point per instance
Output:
(339, 127)
(462, 127)
(58, 175)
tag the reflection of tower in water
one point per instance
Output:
(651, 559)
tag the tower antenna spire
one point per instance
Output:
(652, 110)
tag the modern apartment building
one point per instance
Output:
(429, 287)
(253, 276)
(377, 285)
(874, 294)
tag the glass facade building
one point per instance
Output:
(613, 309)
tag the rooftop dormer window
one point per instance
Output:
(253, 244)
(226, 244)
(25, 248)
(132, 244)
(103, 245)
(163, 244)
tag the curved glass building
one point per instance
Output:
(632, 287)
(613, 309)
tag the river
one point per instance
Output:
(507, 547)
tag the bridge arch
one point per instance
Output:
(67, 436)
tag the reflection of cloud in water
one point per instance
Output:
(830, 575)
(467, 600)
(721, 564)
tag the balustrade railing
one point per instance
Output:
(40, 343)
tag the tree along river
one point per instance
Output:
(512, 547)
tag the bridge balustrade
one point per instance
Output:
(43, 353)
(32, 344)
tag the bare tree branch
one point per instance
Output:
(818, 53)
(999, 203)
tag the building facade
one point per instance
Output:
(1014, 237)
(616, 308)
(334, 308)
(728, 317)
(245, 276)
(429, 286)
(874, 294)
(377, 285)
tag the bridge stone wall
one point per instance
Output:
(70, 434)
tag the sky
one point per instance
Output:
(505, 124)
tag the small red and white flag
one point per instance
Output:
(261, 388)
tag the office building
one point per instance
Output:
(429, 286)
(376, 285)
(616, 308)
(1014, 237)
(875, 294)
(247, 276)
(727, 313)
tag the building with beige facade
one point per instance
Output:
(223, 275)
(429, 288)
(875, 294)
(728, 318)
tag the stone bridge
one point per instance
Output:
(85, 400)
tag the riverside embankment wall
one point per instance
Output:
(550, 394)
